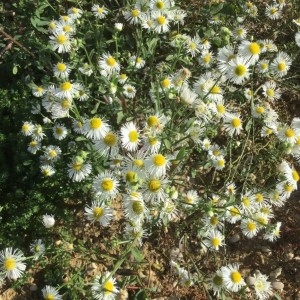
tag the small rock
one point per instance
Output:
(289, 255)
(234, 239)
(275, 273)
(33, 287)
(277, 285)
(266, 250)
(250, 280)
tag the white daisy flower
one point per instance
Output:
(37, 248)
(50, 292)
(233, 279)
(78, 169)
(95, 128)
(273, 11)
(59, 131)
(216, 282)
(233, 124)
(11, 263)
(213, 240)
(66, 90)
(130, 136)
(61, 42)
(47, 170)
(86, 69)
(281, 64)
(61, 70)
(109, 63)
(161, 22)
(270, 91)
(34, 146)
(297, 39)
(137, 61)
(74, 12)
(99, 12)
(27, 128)
(191, 197)
(104, 287)
(249, 228)
(98, 212)
(249, 51)
(157, 164)
(48, 220)
(154, 188)
(106, 185)
(262, 286)
(108, 145)
(133, 16)
(135, 208)
(129, 91)
(237, 70)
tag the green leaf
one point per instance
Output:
(120, 115)
(167, 144)
(181, 154)
(137, 254)
(95, 108)
(15, 70)
(80, 138)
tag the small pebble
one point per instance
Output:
(266, 250)
(275, 273)
(289, 255)
(234, 239)
(33, 287)
(250, 280)
(277, 285)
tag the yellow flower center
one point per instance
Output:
(246, 201)
(49, 297)
(289, 133)
(98, 212)
(159, 160)
(240, 70)
(254, 48)
(165, 83)
(39, 89)
(37, 248)
(61, 67)
(100, 10)
(234, 211)
(107, 184)
(95, 123)
(264, 66)
(133, 136)
(216, 242)
(288, 188)
(251, 226)
(273, 11)
(77, 166)
(220, 108)
(236, 277)
(66, 86)
(281, 66)
(295, 175)
(74, 10)
(240, 31)
(236, 122)
(221, 163)
(260, 109)
(154, 185)
(259, 198)
(137, 207)
(159, 4)
(218, 280)
(61, 39)
(135, 13)
(33, 143)
(67, 28)
(152, 141)
(52, 25)
(131, 176)
(108, 287)
(9, 264)
(111, 61)
(138, 162)
(110, 139)
(161, 20)
(59, 131)
(152, 121)
(25, 127)
(65, 103)
(214, 220)
(215, 90)
(270, 92)
(52, 153)
(207, 58)
(192, 46)
(262, 220)
(65, 18)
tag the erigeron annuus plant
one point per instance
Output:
(176, 127)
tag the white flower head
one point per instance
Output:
(48, 220)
